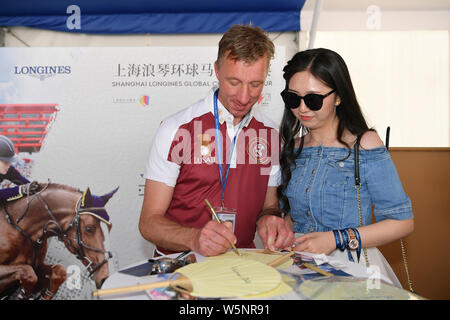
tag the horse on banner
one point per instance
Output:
(73, 216)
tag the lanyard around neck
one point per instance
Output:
(223, 181)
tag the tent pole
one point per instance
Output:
(312, 32)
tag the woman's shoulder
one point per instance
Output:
(371, 140)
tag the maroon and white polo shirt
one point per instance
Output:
(183, 156)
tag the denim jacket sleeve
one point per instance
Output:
(385, 187)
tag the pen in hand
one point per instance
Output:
(218, 220)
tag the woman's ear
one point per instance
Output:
(337, 102)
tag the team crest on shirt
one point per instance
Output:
(258, 149)
(204, 143)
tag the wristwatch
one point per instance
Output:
(353, 243)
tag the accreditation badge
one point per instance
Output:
(226, 214)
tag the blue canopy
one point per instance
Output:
(150, 16)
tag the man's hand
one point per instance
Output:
(214, 238)
(275, 232)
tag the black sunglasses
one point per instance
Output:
(312, 100)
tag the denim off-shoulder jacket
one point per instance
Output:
(322, 193)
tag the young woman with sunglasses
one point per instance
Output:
(321, 123)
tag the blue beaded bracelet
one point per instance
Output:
(337, 238)
(340, 245)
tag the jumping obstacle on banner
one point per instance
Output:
(26, 125)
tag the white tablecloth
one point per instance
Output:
(120, 279)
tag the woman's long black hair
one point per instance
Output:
(329, 67)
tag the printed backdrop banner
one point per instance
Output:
(85, 117)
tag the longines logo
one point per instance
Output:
(42, 72)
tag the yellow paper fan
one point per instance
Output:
(224, 277)
(230, 277)
(282, 288)
(256, 255)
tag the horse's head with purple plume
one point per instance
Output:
(95, 205)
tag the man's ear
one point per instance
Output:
(216, 69)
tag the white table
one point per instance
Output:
(119, 279)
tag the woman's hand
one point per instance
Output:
(316, 242)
